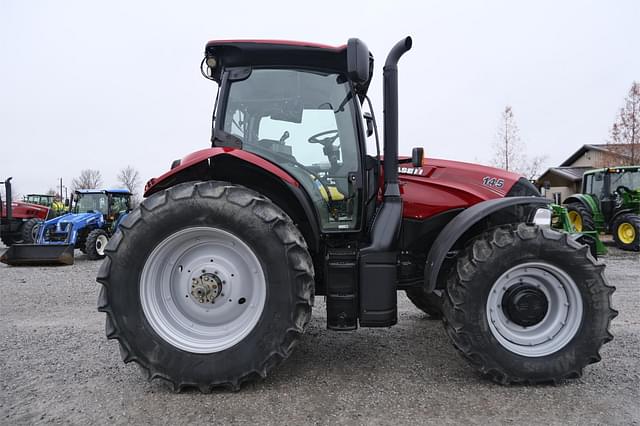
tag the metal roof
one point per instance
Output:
(589, 147)
(103, 191)
(573, 174)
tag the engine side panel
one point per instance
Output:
(441, 185)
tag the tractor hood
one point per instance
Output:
(441, 185)
(77, 218)
(22, 210)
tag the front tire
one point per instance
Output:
(30, 230)
(626, 232)
(429, 303)
(527, 305)
(206, 285)
(580, 217)
(95, 244)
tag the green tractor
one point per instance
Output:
(610, 203)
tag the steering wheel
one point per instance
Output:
(328, 148)
(325, 141)
(280, 157)
(622, 189)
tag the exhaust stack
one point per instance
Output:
(390, 93)
(8, 196)
(378, 260)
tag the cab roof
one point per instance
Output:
(278, 53)
(618, 169)
(104, 191)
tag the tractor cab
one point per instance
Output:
(40, 199)
(614, 188)
(111, 203)
(302, 115)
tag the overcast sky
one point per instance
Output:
(105, 84)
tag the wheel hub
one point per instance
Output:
(206, 288)
(525, 305)
(626, 233)
(202, 289)
(534, 309)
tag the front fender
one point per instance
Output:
(462, 223)
(588, 201)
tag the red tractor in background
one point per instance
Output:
(210, 282)
(19, 220)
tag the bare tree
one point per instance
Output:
(88, 179)
(130, 179)
(624, 136)
(52, 191)
(507, 147)
(509, 150)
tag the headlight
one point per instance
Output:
(542, 217)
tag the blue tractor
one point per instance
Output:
(94, 218)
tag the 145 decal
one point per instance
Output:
(493, 182)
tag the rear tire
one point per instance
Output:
(29, 230)
(8, 240)
(527, 305)
(95, 244)
(626, 232)
(209, 229)
(429, 303)
(580, 217)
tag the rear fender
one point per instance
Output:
(588, 201)
(464, 221)
(249, 170)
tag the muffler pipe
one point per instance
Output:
(9, 198)
(390, 93)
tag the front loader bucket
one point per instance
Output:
(38, 255)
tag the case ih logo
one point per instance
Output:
(411, 171)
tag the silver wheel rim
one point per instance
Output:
(101, 243)
(559, 325)
(34, 232)
(202, 290)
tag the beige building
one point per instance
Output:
(557, 183)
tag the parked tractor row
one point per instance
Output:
(49, 239)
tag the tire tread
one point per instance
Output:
(456, 317)
(297, 254)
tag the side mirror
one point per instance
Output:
(66, 202)
(357, 60)
(368, 118)
(417, 155)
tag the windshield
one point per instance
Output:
(91, 203)
(304, 121)
(627, 178)
(119, 203)
(39, 199)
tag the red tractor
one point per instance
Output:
(211, 281)
(19, 221)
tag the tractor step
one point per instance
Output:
(38, 255)
(341, 274)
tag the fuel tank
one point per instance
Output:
(441, 185)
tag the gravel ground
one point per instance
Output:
(57, 366)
